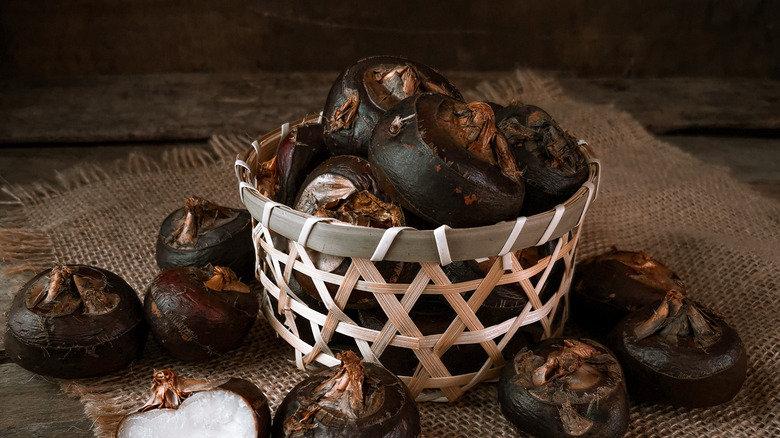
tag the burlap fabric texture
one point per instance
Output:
(717, 234)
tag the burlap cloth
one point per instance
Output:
(717, 234)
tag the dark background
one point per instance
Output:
(90, 82)
(614, 38)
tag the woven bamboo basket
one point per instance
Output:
(428, 251)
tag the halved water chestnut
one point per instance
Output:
(74, 321)
(609, 286)
(565, 388)
(181, 407)
(198, 313)
(552, 164)
(368, 88)
(354, 399)
(446, 161)
(678, 353)
(202, 233)
(344, 188)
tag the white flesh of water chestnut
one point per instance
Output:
(207, 414)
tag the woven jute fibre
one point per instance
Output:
(717, 234)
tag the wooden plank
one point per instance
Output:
(770, 189)
(173, 107)
(153, 107)
(684, 104)
(9, 285)
(165, 107)
(611, 37)
(42, 164)
(749, 159)
(754, 161)
(35, 406)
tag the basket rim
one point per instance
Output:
(411, 245)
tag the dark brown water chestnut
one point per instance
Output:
(280, 178)
(74, 321)
(365, 91)
(344, 188)
(446, 161)
(198, 313)
(431, 317)
(552, 164)
(609, 286)
(305, 332)
(495, 106)
(184, 407)
(504, 301)
(334, 180)
(677, 353)
(565, 388)
(508, 300)
(203, 233)
(354, 399)
(302, 150)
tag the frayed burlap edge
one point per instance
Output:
(529, 85)
(23, 249)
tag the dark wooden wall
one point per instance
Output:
(653, 38)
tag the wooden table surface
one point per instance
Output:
(50, 126)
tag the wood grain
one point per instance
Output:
(35, 406)
(742, 107)
(177, 107)
(49, 38)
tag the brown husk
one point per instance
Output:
(560, 149)
(678, 317)
(389, 85)
(341, 394)
(268, 178)
(345, 115)
(648, 271)
(224, 279)
(58, 298)
(475, 125)
(568, 365)
(200, 215)
(169, 390)
(363, 209)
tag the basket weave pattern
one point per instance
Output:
(289, 315)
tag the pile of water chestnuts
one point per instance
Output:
(651, 343)
(440, 159)
(397, 145)
(673, 350)
(75, 321)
